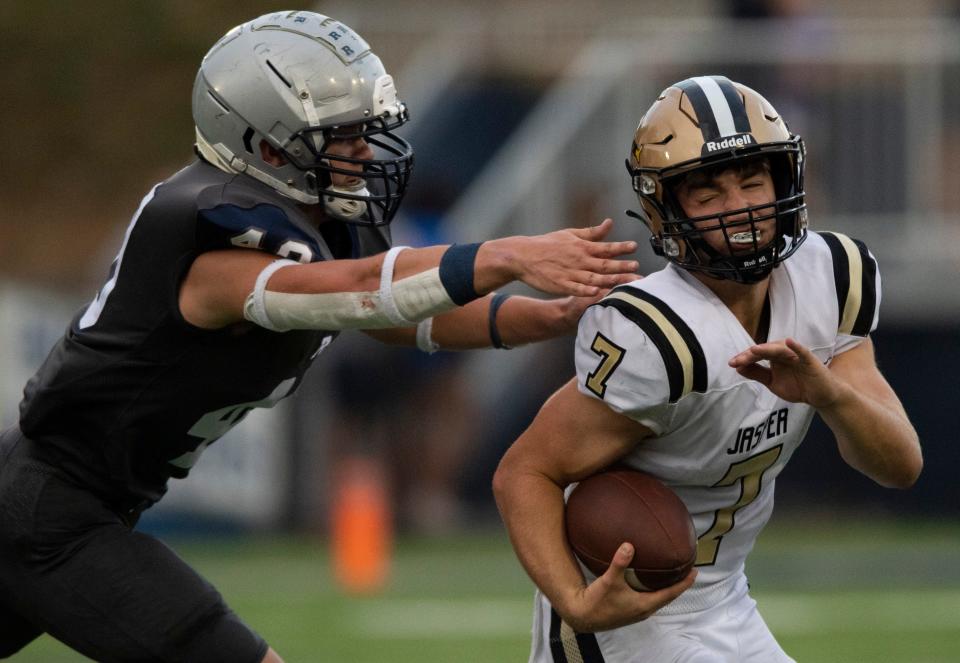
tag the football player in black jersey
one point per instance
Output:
(233, 275)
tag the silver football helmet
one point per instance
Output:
(290, 78)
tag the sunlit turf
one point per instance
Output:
(835, 594)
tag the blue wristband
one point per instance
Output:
(495, 303)
(456, 272)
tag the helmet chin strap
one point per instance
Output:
(222, 158)
(733, 266)
(345, 209)
(212, 156)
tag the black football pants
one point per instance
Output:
(74, 568)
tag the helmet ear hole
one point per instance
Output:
(247, 138)
(271, 155)
(310, 178)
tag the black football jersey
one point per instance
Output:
(132, 394)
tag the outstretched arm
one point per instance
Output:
(572, 437)
(565, 262)
(873, 432)
(518, 321)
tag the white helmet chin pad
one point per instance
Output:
(342, 208)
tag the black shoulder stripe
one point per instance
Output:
(567, 646)
(855, 272)
(735, 101)
(868, 296)
(841, 271)
(681, 351)
(652, 329)
(693, 345)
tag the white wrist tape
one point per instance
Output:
(399, 304)
(386, 289)
(254, 308)
(425, 340)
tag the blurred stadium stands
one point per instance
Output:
(523, 113)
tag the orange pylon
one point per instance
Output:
(361, 526)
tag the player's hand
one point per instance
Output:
(571, 308)
(794, 374)
(574, 261)
(609, 602)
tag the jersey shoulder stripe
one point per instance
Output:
(855, 273)
(681, 351)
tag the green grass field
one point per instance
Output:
(831, 593)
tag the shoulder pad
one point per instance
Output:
(264, 226)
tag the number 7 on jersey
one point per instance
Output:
(611, 355)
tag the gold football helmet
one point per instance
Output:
(712, 123)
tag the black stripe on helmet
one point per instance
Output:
(735, 101)
(701, 106)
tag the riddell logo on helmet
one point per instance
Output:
(728, 143)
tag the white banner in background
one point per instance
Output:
(240, 477)
(31, 321)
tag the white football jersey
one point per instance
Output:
(657, 349)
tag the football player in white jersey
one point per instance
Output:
(705, 374)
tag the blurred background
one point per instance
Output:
(523, 113)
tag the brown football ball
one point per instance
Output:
(618, 505)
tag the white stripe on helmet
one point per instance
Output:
(718, 104)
